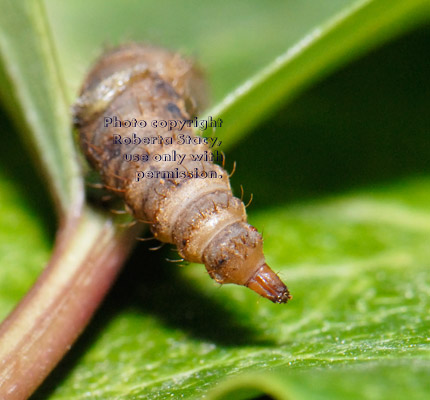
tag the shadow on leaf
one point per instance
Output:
(366, 124)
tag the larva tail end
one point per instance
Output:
(267, 284)
(235, 255)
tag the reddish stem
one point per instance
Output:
(87, 257)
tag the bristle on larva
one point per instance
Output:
(200, 216)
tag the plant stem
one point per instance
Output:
(87, 257)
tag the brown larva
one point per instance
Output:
(200, 216)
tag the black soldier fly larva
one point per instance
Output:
(200, 216)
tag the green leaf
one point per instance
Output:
(32, 93)
(341, 186)
(359, 27)
(25, 236)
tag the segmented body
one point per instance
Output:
(200, 216)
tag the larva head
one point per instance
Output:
(235, 255)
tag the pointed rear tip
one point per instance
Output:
(267, 284)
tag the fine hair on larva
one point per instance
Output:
(201, 217)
